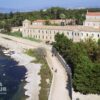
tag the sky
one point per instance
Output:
(42, 4)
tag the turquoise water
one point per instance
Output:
(12, 76)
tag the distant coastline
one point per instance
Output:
(8, 10)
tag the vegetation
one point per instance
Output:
(84, 60)
(8, 20)
(17, 34)
(45, 72)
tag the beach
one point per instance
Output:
(32, 77)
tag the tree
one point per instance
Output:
(41, 52)
(62, 42)
(62, 16)
(99, 42)
(47, 22)
(84, 60)
(82, 75)
(95, 79)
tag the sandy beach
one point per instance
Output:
(32, 77)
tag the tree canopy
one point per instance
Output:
(84, 60)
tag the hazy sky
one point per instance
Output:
(37, 4)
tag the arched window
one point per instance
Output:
(92, 34)
(72, 33)
(78, 34)
(82, 34)
(39, 31)
(46, 32)
(50, 32)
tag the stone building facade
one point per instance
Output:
(92, 19)
(47, 33)
(59, 22)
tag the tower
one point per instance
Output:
(26, 23)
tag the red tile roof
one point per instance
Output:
(93, 13)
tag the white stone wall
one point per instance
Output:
(92, 21)
(92, 24)
(37, 23)
(48, 35)
(93, 35)
(93, 17)
(16, 29)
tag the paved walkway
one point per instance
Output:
(59, 82)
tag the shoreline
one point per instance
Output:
(32, 78)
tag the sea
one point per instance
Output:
(12, 78)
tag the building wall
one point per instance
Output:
(93, 17)
(48, 35)
(92, 21)
(16, 29)
(93, 24)
(38, 23)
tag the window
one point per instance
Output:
(78, 34)
(46, 32)
(50, 32)
(72, 33)
(67, 33)
(87, 34)
(39, 31)
(92, 34)
(82, 34)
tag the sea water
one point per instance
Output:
(12, 78)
